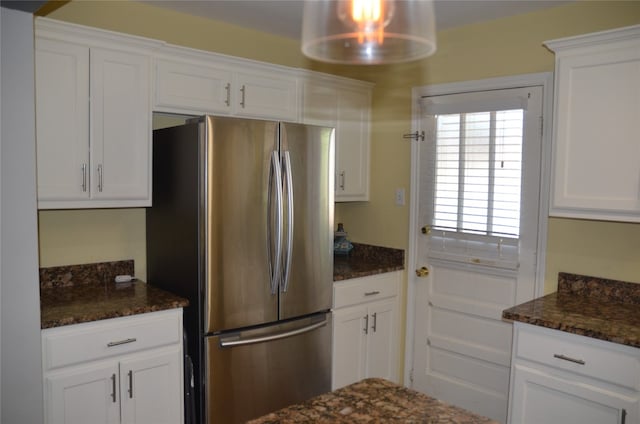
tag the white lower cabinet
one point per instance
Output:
(115, 371)
(561, 377)
(365, 329)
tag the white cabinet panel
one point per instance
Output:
(596, 172)
(381, 346)
(150, 387)
(62, 124)
(345, 105)
(120, 127)
(365, 329)
(543, 398)
(349, 345)
(352, 146)
(192, 87)
(83, 395)
(267, 95)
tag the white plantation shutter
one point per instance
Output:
(475, 144)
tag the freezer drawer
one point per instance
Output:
(250, 373)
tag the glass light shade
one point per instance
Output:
(368, 32)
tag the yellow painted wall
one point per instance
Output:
(96, 235)
(503, 47)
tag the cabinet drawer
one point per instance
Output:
(598, 359)
(365, 289)
(78, 343)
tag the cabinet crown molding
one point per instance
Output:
(77, 34)
(630, 33)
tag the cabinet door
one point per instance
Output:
(352, 146)
(350, 326)
(381, 340)
(596, 149)
(268, 96)
(62, 121)
(151, 387)
(195, 88)
(320, 104)
(120, 128)
(82, 395)
(541, 397)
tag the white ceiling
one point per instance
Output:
(284, 17)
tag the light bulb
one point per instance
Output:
(367, 18)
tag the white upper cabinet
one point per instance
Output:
(93, 118)
(346, 105)
(197, 83)
(192, 86)
(96, 91)
(596, 153)
(266, 94)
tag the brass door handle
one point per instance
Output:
(422, 272)
(426, 229)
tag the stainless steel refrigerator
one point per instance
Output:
(242, 226)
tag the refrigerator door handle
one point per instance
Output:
(234, 341)
(288, 182)
(275, 263)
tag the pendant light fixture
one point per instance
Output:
(368, 32)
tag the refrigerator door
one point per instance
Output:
(308, 171)
(254, 372)
(241, 160)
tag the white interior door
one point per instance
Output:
(461, 347)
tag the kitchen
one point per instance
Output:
(588, 247)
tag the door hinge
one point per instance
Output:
(418, 136)
(411, 377)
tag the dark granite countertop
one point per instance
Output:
(82, 293)
(365, 260)
(588, 306)
(372, 401)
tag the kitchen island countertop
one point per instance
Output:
(373, 400)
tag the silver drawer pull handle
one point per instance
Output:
(372, 293)
(121, 342)
(567, 358)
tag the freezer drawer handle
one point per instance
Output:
(272, 337)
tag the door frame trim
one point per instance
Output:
(544, 79)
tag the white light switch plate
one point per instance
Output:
(400, 196)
